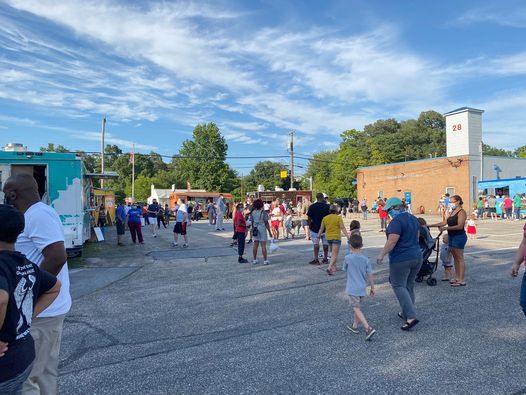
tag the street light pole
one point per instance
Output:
(291, 159)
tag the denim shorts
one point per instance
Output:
(331, 242)
(457, 241)
(314, 238)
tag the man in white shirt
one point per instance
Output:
(42, 242)
(221, 207)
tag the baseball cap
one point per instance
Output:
(392, 202)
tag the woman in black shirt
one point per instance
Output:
(455, 225)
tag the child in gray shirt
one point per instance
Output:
(359, 272)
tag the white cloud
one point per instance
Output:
(501, 15)
(243, 138)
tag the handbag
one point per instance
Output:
(255, 230)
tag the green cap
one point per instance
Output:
(392, 202)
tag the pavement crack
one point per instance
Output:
(236, 334)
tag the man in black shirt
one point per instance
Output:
(315, 215)
(153, 209)
(25, 291)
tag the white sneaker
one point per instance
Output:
(175, 244)
(185, 245)
(255, 262)
(267, 262)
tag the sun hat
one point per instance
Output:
(392, 202)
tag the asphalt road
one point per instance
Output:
(154, 320)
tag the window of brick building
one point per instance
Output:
(450, 190)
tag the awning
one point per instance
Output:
(107, 175)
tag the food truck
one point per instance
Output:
(504, 187)
(63, 183)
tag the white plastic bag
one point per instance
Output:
(273, 246)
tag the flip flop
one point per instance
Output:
(458, 285)
(453, 281)
(409, 325)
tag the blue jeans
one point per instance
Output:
(364, 213)
(523, 293)
(13, 386)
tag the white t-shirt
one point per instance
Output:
(43, 227)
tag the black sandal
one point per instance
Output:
(409, 325)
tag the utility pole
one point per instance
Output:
(291, 147)
(102, 152)
(133, 173)
(242, 198)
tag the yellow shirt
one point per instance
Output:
(332, 223)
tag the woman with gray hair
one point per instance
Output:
(405, 258)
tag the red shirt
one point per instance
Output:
(240, 225)
(508, 203)
(381, 212)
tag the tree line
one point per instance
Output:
(202, 160)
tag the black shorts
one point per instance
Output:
(180, 228)
(120, 228)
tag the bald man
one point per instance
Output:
(42, 242)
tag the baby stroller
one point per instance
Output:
(429, 246)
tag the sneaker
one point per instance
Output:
(356, 331)
(255, 262)
(185, 245)
(175, 244)
(325, 261)
(154, 235)
(250, 241)
(314, 262)
(266, 262)
(370, 333)
(242, 260)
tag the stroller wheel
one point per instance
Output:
(419, 279)
(432, 281)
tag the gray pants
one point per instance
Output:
(402, 276)
(219, 220)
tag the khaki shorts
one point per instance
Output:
(355, 301)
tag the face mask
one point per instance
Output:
(453, 206)
(394, 212)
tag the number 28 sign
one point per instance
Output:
(457, 127)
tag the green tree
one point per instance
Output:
(320, 169)
(142, 187)
(266, 173)
(52, 148)
(201, 160)
(521, 152)
(494, 151)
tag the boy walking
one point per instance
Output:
(359, 272)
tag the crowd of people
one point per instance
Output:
(34, 279)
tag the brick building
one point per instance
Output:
(422, 182)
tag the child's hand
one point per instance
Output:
(371, 292)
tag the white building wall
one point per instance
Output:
(457, 136)
(464, 132)
(475, 133)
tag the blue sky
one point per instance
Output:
(256, 68)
